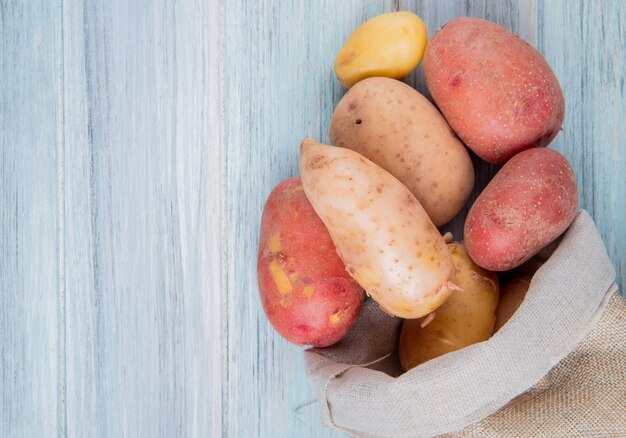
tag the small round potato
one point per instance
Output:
(397, 128)
(512, 293)
(390, 45)
(467, 316)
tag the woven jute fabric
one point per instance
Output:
(557, 368)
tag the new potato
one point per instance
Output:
(497, 92)
(397, 128)
(306, 292)
(467, 316)
(388, 45)
(381, 232)
(528, 204)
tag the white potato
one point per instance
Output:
(382, 233)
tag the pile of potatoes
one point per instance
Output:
(363, 215)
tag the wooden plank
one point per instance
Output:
(279, 88)
(584, 42)
(143, 214)
(138, 145)
(31, 365)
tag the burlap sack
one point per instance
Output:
(556, 369)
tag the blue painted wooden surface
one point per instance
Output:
(139, 142)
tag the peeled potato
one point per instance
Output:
(389, 45)
(512, 293)
(381, 232)
(467, 316)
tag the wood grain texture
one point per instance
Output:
(280, 88)
(31, 365)
(143, 214)
(139, 143)
(586, 50)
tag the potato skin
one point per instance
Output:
(512, 293)
(382, 233)
(307, 295)
(389, 45)
(467, 316)
(497, 92)
(393, 125)
(527, 205)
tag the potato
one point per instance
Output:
(528, 204)
(381, 232)
(389, 45)
(306, 292)
(467, 316)
(397, 128)
(497, 92)
(512, 293)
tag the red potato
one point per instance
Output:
(497, 92)
(528, 204)
(307, 295)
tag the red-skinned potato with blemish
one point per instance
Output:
(495, 90)
(307, 295)
(529, 203)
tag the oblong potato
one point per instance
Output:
(307, 295)
(467, 316)
(397, 128)
(528, 204)
(512, 293)
(389, 45)
(497, 92)
(381, 232)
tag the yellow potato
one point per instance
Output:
(512, 293)
(397, 128)
(467, 316)
(381, 232)
(389, 45)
